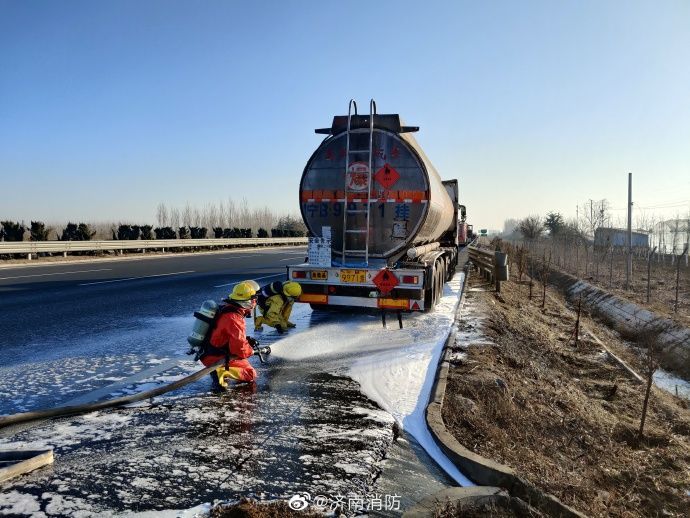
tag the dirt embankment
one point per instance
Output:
(254, 509)
(564, 417)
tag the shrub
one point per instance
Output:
(262, 233)
(183, 233)
(12, 231)
(128, 232)
(198, 232)
(218, 232)
(74, 232)
(165, 233)
(39, 232)
(146, 232)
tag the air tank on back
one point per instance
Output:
(409, 204)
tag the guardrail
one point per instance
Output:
(492, 265)
(31, 248)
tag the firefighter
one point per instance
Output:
(275, 301)
(228, 339)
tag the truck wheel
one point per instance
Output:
(430, 293)
(438, 283)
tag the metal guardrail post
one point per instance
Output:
(493, 266)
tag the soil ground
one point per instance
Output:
(253, 509)
(565, 417)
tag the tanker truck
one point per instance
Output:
(383, 226)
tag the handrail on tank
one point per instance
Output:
(372, 104)
(349, 108)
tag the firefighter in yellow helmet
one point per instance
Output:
(229, 339)
(275, 301)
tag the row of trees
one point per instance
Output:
(668, 235)
(653, 275)
(15, 231)
(224, 214)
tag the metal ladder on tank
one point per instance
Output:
(351, 214)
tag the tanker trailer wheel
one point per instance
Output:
(438, 281)
(430, 293)
(441, 279)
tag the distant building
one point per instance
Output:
(671, 236)
(619, 237)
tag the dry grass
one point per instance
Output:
(253, 509)
(480, 510)
(566, 418)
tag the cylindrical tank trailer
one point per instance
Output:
(409, 204)
(370, 192)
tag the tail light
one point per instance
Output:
(410, 279)
(299, 274)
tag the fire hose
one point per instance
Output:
(25, 417)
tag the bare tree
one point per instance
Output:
(162, 215)
(531, 227)
(544, 273)
(187, 215)
(594, 214)
(174, 217)
(648, 339)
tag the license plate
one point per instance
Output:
(350, 276)
(319, 275)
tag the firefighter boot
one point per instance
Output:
(216, 385)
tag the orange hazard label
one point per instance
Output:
(385, 281)
(387, 176)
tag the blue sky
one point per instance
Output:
(108, 108)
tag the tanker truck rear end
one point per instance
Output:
(384, 226)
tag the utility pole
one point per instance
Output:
(628, 265)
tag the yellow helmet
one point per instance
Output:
(242, 291)
(292, 289)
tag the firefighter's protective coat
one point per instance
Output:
(276, 312)
(230, 333)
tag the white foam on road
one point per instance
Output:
(394, 367)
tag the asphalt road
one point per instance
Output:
(46, 308)
(68, 331)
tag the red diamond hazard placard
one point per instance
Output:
(385, 281)
(387, 176)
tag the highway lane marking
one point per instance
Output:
(288, 259)
(135, 278)
(238, 257)
(254, 279)
(54, 273)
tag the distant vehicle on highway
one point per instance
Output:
(385, 228)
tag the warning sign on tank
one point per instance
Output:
(357, 176)
(387, 176)
(385, 281)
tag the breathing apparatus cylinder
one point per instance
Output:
(202, 323)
